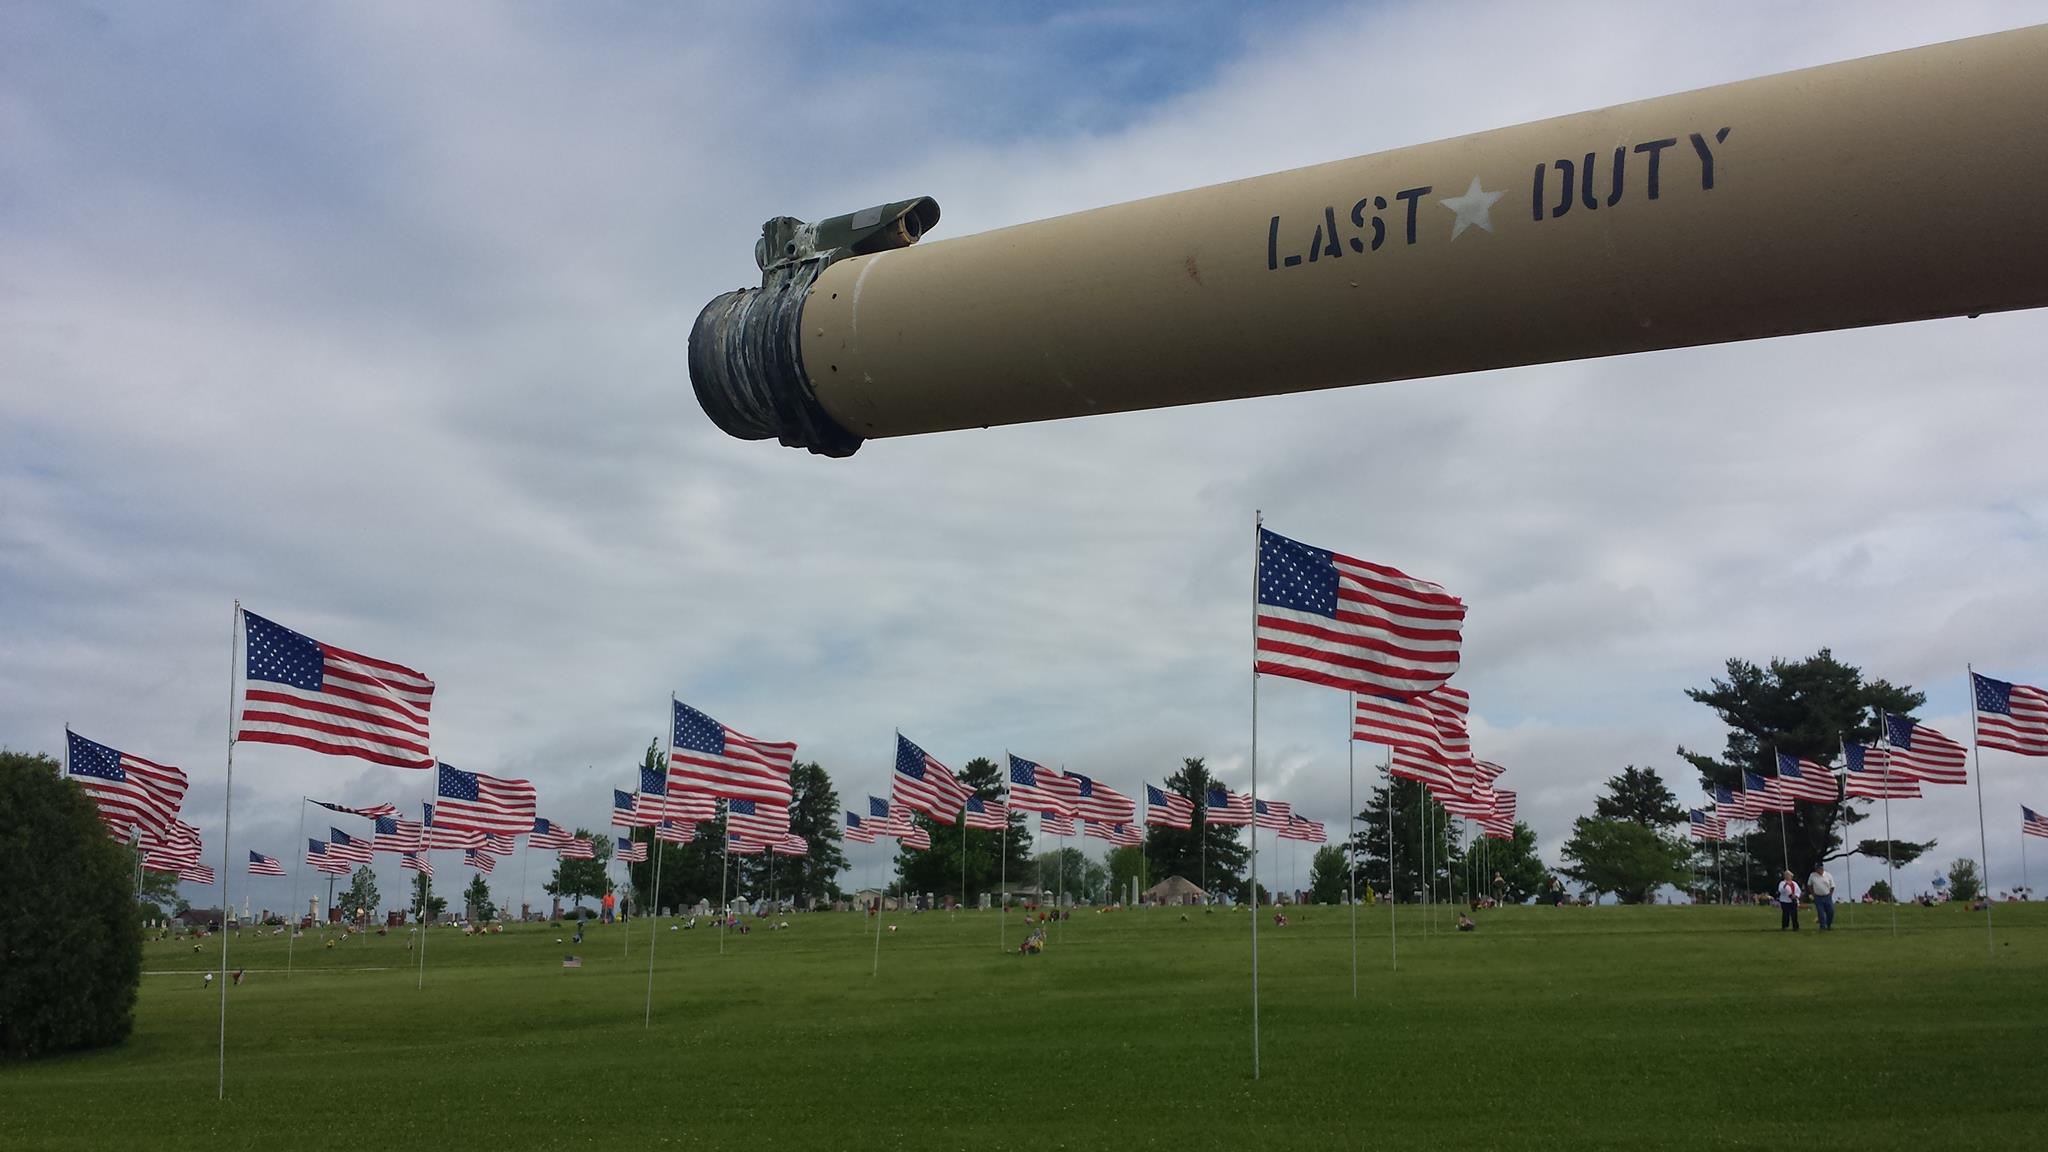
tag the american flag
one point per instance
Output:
(628, 813)
(1500, 825)
(1168, 809)
(706, 756)
(1099, 802)
(1761, 797)
(1304, 829)
(261, 865)
(475, 802)
(671, 832)
(1431, 727)
(312, 695)
(651, 801)
(170, 849)
(372, 812)
(1036, 788)
(548, 834)
(400, 836)
(910, 835)
(196, 874)
(1333, 620)
(741, 846)
(756, 819)
(924, 784)
(1465, 807)
(2032, 823)
(878, 809)
(1733, 803)
(1707, 827)
(1423, 768)
(128, 791)
(577, 848)
(318, 856)
(481, 861)
(630, 851)
(418, 864)
(1272, 815)
(1805, 780)
(2011, 717)
(987, 815)
(1121, 835)
(790, 844)
(1920, 752)
(858, 830)
(498, 844)
(1868, 779)
(1051, 825)
(1225, 807)
(443, 838)
(681, 804)
(346, 848)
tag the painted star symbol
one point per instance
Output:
(1474, 207)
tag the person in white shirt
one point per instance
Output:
(1822, 885)
(1788, 902)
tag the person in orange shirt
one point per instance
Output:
(608, 905)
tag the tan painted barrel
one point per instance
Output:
(1898, 187)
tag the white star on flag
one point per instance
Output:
(1474, 207)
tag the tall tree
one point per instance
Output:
(1628, 859)
(576, 879)
(361, 895)
(814, 815)
(937, 869)
(421, 889)
(1523, 874)
(477, 898)
(1329, 875)
(159, 897)
(1070, 870)
(1414, 811)
(1126, 866)
(1805, 708)
(1212, 857)
(1639, 796)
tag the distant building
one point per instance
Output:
(1174, 890)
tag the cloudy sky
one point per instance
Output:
(373, 316)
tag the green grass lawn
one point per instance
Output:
(1570, 1028)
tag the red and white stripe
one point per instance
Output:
(736, 767)
(1305, 830)
(1501, 824)
(1933, 758)
(1121, 835)
(196, 874)
(1237, 811)
(418, 864)
(1275, 816)
(1051, 825)
(1098, 802)
(993, 817)
(769, 822)
(1177, 812)
(577, 849)
(481, 861)
(673, 833)
(790, 845)
(2024, 729)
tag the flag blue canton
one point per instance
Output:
(1083, 786)
(974, 804)
(541, 827)
(852, 820)
(1898, 730)
(1698, 817)
(280, 655)
(1853, 754)
(622, 799)
(625, 845)
(698, 732)
(1023, 772)
(1754, 782)
(316, 848)
(337, 836)
(653, 782)
(387, 825)
(1296, 576)
(1723, 794)
(455, 784)
(1155, 797)
(1218, 798)
(1993, 696)
(740, 807)
(427, 815)
(91, 758)
(878, 807)
(909, 758)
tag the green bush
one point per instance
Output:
(70, 945)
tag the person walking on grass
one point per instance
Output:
(1822, 885)
(1788, 902)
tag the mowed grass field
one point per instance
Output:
(1573, 1028)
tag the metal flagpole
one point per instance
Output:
(226, 829)
(724, 870)
(1784, 845)
(963, 856)
(1983, 840)
(1258, 531)
(1003, 881)
(292, 933)
(653, 933)
(880, 896)
(1890, 879)
(625, 894)
(1393, 928)
(1351, 825)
